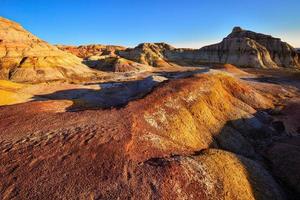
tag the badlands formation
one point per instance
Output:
(26, 58)
(150, 122)
(241, 48)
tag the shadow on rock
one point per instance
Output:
(265, 151)
(112, 94)
(284, 78)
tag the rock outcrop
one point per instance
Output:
(105, 58)
(282, 156)
(86, 51)
(219, 107)
(115, 64)
(26, 58)
(214, 174)
(249, 49)
(241, 48)
(192, 138)
(148, 53)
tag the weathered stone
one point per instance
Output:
(241, 47)
(249, 49)
(283, 156)
(26, 58)
(86, 51)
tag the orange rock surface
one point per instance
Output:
(175, 143)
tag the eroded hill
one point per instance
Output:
(85, 51)
(26, 58)
(249, 49)
(241, 48)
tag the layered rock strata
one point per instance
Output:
(26, 58)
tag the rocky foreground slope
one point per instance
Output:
(26, 58)
(194, 138)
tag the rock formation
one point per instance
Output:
(203, 134)
(186, 108)
(152, 54)
(282, 156)
(241, 48)
(115, 64)
(86, 51)
(105, 58)
(26, 58)
(249, 49)
(188, 139)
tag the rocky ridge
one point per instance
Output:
(115, 64)
(85, 51)
(26, 58)
(105, 58)
(241, 48)
(152, 54)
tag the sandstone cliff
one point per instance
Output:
(26, 58)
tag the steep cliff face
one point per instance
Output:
(249, 49)
(242, 52)
(26, 58)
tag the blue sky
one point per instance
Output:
(182, 23)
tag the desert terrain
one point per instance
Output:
(149, 122)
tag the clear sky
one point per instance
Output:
(182, 23)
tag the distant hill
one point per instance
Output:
(241, 47)
(85, 51)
